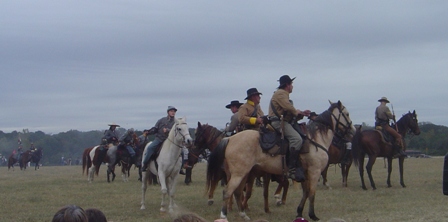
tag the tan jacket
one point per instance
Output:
(382, 115)
(245, 115)
(282, 104)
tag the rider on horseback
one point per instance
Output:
(382, 118)
(234, 126)
(250, 113)
(110, 135)
(282, 114)
(163, 127)
(126, 141)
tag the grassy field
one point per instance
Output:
(36, 195)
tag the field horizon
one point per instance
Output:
(36, 195)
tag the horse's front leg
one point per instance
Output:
(389, 170)
(305, 194)
(171, 192)
(400, 164)
(164, 190)
(144, 186)
(312, 185)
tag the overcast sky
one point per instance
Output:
(84, 64)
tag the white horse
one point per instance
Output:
(169, 163)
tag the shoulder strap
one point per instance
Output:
(274, 110)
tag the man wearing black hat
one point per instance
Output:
(382, 119)
(250, 113)
(162, 128)
(281, 105)
(232, 127)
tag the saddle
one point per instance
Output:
(386, 137)
(272, 143)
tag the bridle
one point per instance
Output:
(340, 134)
(178, 132)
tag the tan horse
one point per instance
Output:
(242, 152)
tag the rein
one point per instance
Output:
(175, 135)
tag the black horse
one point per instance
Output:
(31, 156)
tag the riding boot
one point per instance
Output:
(181, 171)
(398, 151)
(296, 171)
(145, 166)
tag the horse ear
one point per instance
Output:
(330, 102)
(339, 103)
(414, 112)
(199, 124)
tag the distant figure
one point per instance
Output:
(95, 215)
(70, 213)
(189, 217)
(234, 126)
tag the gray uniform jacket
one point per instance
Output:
(165, 122)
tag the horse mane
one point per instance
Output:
(323, 122)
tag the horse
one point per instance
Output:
(372, 143)
(123, 157)
(338, 154)
(29, 156)
(242, 151)
(12, 160)
(169, 163)
(93, 157)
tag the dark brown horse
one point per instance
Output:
(338, 154)
(31, 156)
(12, 160)
(372, 143)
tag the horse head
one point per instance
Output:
(181, 131)
(409, 120)
(342, 124)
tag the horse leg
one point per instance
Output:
(233, 184)
(400, 163)
(305, 194)
(361, 170)
(238, 193)
(389, 171)
(369, 167)
(188, 171)
(266, 181)
(249, 186)
(324, 178)
(144, 186)
(312, 185)
(285, 186)
(171, 191)
(163, 189)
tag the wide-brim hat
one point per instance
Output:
(251, 92)
(383, 99)
(234, 103)
(285, 79)
(171, 108)
(114, 124)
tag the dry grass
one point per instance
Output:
(36, 195)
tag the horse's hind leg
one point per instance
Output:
(369, 167)
(312, 194)
(361, 170)
(144, 186)
(235, 184)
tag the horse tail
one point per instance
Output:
(215, 163)
(356, 146)
(85, 156)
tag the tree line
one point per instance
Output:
(433, 140)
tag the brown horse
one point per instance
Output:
(338, 154)
(372, 143)
(29, 156)
(242, 152)
(123, 158)
(12, 161)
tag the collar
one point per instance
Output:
(250, 102)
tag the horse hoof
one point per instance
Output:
(314, 218)
(142, 207)
(210, 202)
(279, 203)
